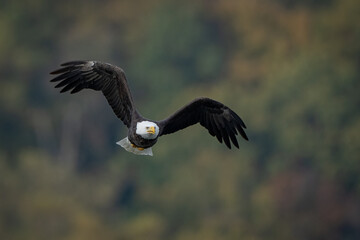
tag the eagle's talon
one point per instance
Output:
(139, 148)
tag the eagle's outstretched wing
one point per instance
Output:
(217, 118)
(109, 79)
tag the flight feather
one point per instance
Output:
(218, 119)
(111, 80)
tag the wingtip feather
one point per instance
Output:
(77, 62)
(61, 70)
(77, 89)
(64, 90)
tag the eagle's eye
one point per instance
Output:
(147, 127)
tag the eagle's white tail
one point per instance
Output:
(125, 143)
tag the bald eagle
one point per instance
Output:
(143, 133)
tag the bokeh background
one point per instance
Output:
(289, 68)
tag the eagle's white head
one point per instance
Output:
(147, 130)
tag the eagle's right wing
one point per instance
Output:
(217, 118)
(109, 79)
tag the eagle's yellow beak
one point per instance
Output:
(151, 130)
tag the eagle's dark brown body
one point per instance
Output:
(136, 139)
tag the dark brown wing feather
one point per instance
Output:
(109, 79)
(217, 118)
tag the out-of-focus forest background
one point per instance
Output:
(289, 68)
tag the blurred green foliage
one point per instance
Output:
(289, 68)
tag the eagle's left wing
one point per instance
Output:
(217, 118)
(109, 79)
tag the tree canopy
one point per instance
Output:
(289, 68)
